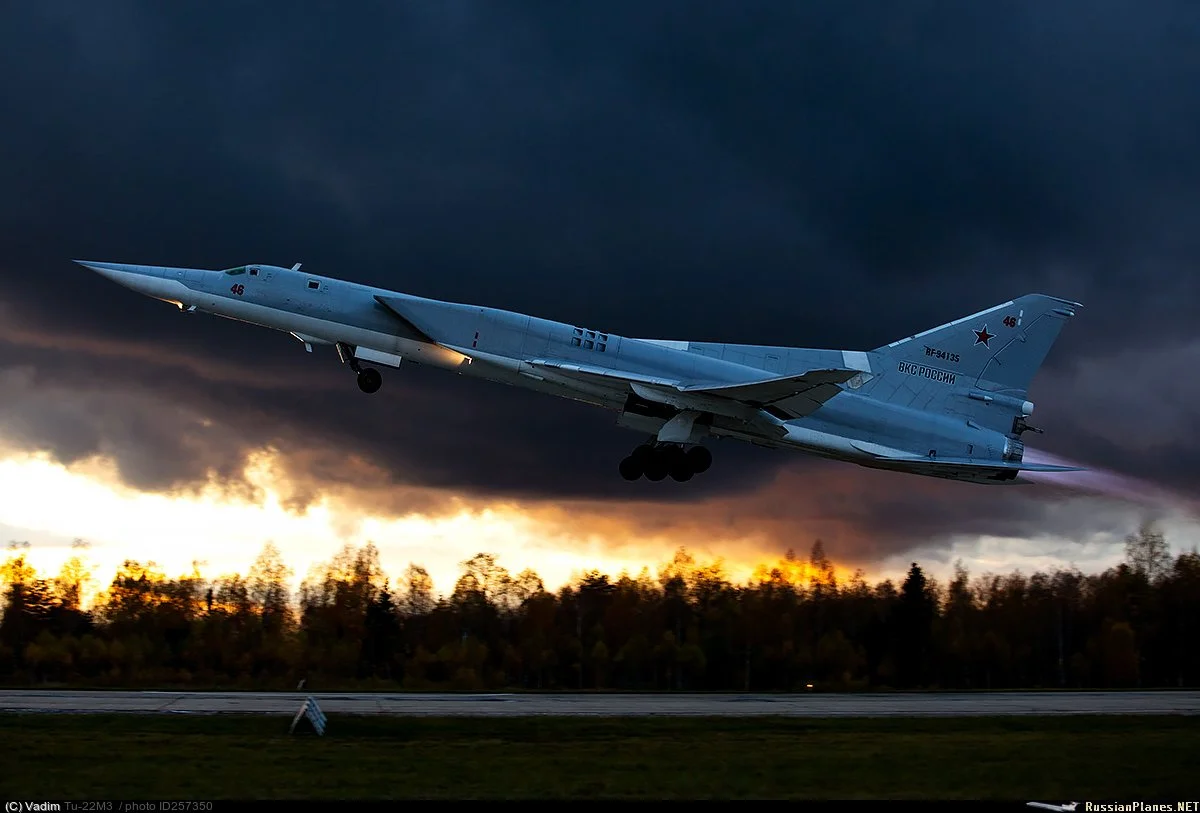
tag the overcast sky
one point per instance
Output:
(819, 175)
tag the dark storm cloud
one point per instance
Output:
(821, 175)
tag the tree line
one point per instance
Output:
(793, 626)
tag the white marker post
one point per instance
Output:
(315, 716)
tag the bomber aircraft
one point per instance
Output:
(950, 402)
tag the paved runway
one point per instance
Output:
(610, 705)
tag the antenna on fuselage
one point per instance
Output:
(296, 267)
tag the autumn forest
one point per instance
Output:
(793, 626)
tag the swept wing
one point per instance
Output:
(785, 397)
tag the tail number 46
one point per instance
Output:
(238, 289)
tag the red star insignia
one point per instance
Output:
(983, 337)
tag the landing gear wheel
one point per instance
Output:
(369, 380)
(631, 468)
(680, 473)
(699, 459)
(657, 466)
(677, 464)
(642, 454)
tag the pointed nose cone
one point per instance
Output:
(117, 272)
(144, 279)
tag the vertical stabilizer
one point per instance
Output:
(978, 367)
(999, 349)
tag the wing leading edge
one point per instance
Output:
(395, 306)
(785, 397)
(770, 390)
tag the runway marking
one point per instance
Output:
(958, 704)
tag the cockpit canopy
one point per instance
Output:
(254, 270)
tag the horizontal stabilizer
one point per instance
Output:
(975, 471)
(887, 457)
(916, 462)
(999, 464)
(396, 306)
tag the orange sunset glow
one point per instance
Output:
(49, 505)
(215, 531)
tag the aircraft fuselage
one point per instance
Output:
(383, 327)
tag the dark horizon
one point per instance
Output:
(794, 627)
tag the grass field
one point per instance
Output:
(164, 757)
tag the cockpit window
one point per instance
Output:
(233, 272)
(254, 272)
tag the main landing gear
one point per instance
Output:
(657, 461)
(369, 379)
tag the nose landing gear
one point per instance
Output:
(369, 379)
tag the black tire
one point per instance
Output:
(681, 474)
(656, 467)
(370, 380)
(680, 466)
(699, 459)
(631, 468)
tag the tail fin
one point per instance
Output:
(998, 350)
